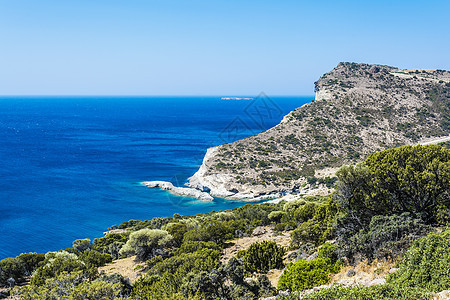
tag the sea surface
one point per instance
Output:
(70, 167)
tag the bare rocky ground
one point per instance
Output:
(127, 267)
(260, 234)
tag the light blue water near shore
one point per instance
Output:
(71, 166)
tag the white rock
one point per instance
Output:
(214, 184)
(179, 191)
(442, 295)
(377, 281)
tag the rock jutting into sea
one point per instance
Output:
(358, 109)
(179, 191)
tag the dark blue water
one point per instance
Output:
(70, 167)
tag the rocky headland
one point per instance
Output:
(358, 109)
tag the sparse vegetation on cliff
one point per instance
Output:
(359, 109)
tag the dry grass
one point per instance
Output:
(365, 272)
(283, 239)
(244, 243)
(127, 267)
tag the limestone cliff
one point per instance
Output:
(358, 109)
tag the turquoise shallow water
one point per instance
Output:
(71, 166)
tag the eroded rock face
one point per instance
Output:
(359, 109)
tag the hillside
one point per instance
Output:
(358, 109)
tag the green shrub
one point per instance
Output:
(378, 292)
(57, 263)
(385, 237)
(177, 231)
(74, 286)
(411, 179)
(31, 261)
(111, 243)
(95, 259)
(303, 274)
(328, 250)
(166, 277)
(319, 228)
(305, 212)
(11, 268)
(194, 246)
(275, 216)
(146, 243)
(262, 257)
(426, 264)
(81, 245)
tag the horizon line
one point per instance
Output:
(162, 95)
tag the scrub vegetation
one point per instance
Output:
(393, 206)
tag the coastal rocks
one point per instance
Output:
(179, 191)
(214, 184)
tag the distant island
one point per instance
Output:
(236, 98)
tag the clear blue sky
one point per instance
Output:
(191, 47)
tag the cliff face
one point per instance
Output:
(358, 109)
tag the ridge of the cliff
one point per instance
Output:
(358, 109)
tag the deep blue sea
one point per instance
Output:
(71, 166)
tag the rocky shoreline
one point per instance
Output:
(179, 191)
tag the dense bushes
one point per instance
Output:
(385, 237)
(167, 276)
(303, 274)
(319, 227)
(412, 179)
(378, 292)
(146, 243)
(111, 243)
(426, 264)
(94, 259)
(13, 270)
(389, 200)
(262, 257)
(381, 206)
(56, 263)
(226, 282)
(75, 286)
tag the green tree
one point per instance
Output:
(111, 243)
(412, 179)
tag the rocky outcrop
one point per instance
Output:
(358, 109)
(179, 191)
